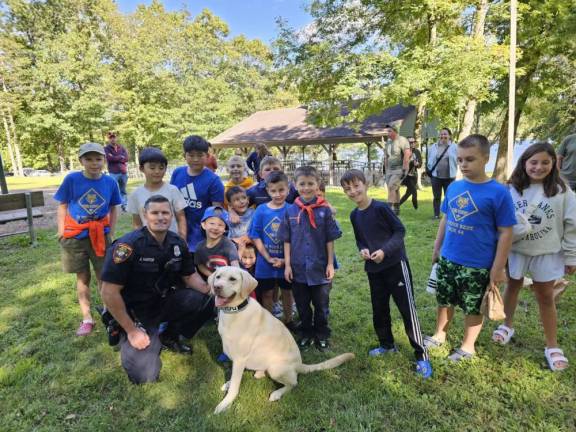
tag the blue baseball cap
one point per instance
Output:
(216, 211)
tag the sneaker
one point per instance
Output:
(376, 352)
(305, 342)
(277, 310)
(424, 368)
(322, 345)
(223, 358)
(85, 328)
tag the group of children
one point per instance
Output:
(283, 232)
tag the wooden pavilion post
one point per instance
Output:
(369, 159)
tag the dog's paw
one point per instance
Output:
(275, 395)
(259, 374)
(222, 406)
(226, 386)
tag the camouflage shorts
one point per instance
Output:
(462, 286)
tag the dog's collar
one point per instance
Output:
(235, 309)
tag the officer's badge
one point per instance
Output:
(177, 252)
(122, 252)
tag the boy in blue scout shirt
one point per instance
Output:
(472, 244)
(264, 233)
(86, 217)
(200, 187)
(308, 231)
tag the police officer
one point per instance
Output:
(148, 279)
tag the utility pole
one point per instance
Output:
(511, 89)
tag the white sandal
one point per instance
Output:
(553, 359)
(504, 332)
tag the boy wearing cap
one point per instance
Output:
(117, 158)
(153, 165)
(200, 187)
(86, 218)
(217, 250)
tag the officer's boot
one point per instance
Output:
(175, 343)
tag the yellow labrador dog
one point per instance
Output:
(254, 339)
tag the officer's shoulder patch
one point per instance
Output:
(122, 252)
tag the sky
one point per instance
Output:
(256, 19)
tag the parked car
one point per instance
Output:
(31, 172)
(40, 173)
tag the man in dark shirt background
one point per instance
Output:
(117, 158)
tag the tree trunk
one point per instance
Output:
(477, 34)
(9, 144)
(521, 96)
(61, 158)
(420, 114)
(468, 120)
(19, 166)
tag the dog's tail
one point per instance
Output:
(328, 364)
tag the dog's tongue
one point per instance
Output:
(220, 301)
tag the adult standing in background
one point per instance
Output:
(211, 161)
(441, 166)
(117, 158)
(567, 160)
(410, 181)
(396, 163)
(254, 159)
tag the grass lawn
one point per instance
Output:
(16, 184)
(51, 380)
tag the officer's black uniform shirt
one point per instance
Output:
(137, 262)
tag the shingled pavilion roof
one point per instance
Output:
(289, 127)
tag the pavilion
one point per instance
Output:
(286, 128)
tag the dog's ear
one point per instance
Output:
(248, 283)
(211, 281)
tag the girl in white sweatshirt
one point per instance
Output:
(544, 242)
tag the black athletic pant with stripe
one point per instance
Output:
(395, 281)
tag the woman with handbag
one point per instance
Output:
(441, 167)
(544, 243)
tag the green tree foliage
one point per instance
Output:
(545, 77)
(372, 54)
(76, 68)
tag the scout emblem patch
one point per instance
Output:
(122, 252)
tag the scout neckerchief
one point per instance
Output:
(309, 209)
